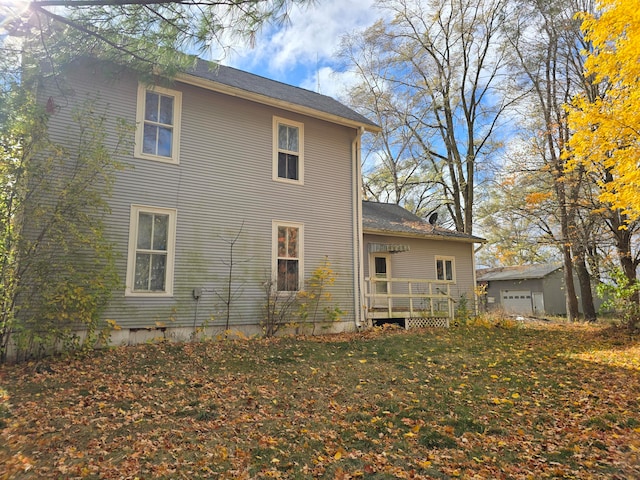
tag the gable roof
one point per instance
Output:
(391, 219)
(270, 92)
(519, 272)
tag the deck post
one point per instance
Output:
(410, 300)
(431, 298)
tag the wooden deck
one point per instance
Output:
(419, 302)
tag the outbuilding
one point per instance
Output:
(535, 290)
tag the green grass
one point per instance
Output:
(469, 402)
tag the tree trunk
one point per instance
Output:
(570, 289)
(623, 234)
(563, 217)
(586, 292)
(629, 269)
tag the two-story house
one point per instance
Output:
(234, 181)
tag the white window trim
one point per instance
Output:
(177, 115)
(300, 126)
(133, 240)
(274, 252)
(444, 260)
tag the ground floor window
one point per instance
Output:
(445, 268)
(151, 251)
(287, 256)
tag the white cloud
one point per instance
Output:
(328, 81)
(315, 31)
(303, 50)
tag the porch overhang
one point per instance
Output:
(387, 248)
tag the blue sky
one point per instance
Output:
(303, 51)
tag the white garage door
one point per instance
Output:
(517, 301)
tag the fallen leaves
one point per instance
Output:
(619, 357)
(467, 403)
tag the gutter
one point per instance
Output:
(425, 236)
(476, 302)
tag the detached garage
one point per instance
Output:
(534, 290)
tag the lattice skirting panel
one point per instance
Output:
(427, 322)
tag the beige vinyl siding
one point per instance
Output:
(222, 184)
(420, 261)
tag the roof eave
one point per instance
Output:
(514, 277)
(273, 102)
(392, 233)
(510, 279)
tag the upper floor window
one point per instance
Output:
(288, 151)
(158, 124)
(288, 256)
(445, 268)
(152, 233)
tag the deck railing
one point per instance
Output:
(408, 298)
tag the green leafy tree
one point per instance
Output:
(57, 267)
(146, 35)
(621, 297)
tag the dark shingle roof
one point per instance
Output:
(393, 219)
(271, 89)
(519, 272)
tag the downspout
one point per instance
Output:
(475, 279)
(358, 277)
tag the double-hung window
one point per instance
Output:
(287, 256)
(158, 124)
(445, 268)
(288, 150)
(152, 233)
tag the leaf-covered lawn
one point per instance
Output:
(469, 402)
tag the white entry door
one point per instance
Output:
(380, 268)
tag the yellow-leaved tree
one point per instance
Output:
(606, 127)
